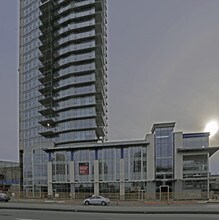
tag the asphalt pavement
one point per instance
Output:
(122, 207)
(45, 215)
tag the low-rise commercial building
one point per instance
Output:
(9, 176)
(214, 186)
(166, 165)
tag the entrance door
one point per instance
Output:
(164, 192)
(142, 194)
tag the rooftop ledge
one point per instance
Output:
(210, 150)
(116, 144)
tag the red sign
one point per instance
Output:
(83, 168)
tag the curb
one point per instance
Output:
(112, 211)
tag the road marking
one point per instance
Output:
(24, 219)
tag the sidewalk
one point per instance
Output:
(115, 202)
(75, 202)
(126, 203)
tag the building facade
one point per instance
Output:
(9, 176)
(166, 165)
(214, 186)
(62, 80)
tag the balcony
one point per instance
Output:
(44, 89)
(101, 84)
(76, 26)
(101, 96)
(72, 106)
(101, 74)
(46, 110)
(63, 10)
(45, 99)
(100, 39)
(100, 50)
(77, 47)
(48, 120)
(101, 119)
(46, 31)
(101, 131)
(99, 16)
(100, 106)
(74, 15)
(75, 38)
(83, 80)
(74, 69)
(47, 131)
(99, 27)
(76, 59)
(47, 78)
(84, 3)
(60, 1)
(100, 62)
(74, 94)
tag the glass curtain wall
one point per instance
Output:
(164, 165)
(135, 172)
(195, 140)
(29, 63)
(135, 165)
(84, 166)
(164, 153)
(109, 164)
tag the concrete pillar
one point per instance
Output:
(150, 157)
(208, 182)
(178, 190)
(96, 177)
(151, 185)
(72, 189)
(50, 188)
(151, 190)
(178, 161)
(72, 178)
(122, 179)
(178, 166)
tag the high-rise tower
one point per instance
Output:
(62, 80)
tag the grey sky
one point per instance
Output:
(163, 66)
(8, 79)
